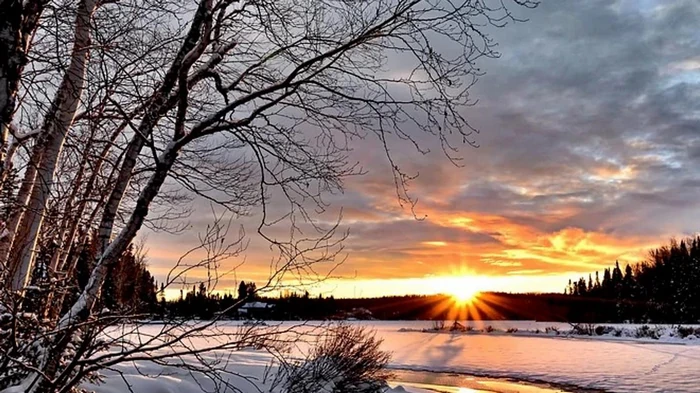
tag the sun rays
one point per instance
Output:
(464, 298)
(463, 292)
(464, 295)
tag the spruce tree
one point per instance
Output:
(242, 291)
(607, 284)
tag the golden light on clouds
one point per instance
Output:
(479, 253)
(461, 222)
(435, 243)
(462, 251)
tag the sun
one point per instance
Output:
(464, 294)
(464, 289)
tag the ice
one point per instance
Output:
(618, 366)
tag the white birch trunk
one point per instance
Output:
(57, 123)
(21, 201)
(71, 213)
(152, 114)
(10, 66)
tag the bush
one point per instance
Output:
(347, 359)
(489, 329)
(512, 330)
(551, 329)
(684, 332)
(602, 330)
(583, 329)
(647, 332)
(439, 325)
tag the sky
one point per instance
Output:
(588, 153)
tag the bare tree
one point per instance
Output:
(245, 101)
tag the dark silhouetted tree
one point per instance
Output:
(663, 288)
(242, 290)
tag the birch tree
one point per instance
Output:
(57, 123)
(276, 90)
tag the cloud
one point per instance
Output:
(589, 152)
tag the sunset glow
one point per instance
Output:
(464, 295)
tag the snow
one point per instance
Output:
(256, 305)
(610, 332)
(598, 363)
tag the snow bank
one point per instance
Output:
(147, 377)
(683, 335)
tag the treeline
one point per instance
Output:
(129, 287)
(199, 303)
(664, 288)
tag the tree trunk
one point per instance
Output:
(18, 21)
(71, 214)
(11, 63)
(17, 140)
(158, 105)
(82, 308)
(61, 263)
(56, 125)
(22, 199)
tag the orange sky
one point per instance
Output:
(390, 252)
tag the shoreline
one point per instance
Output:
(667, 336)
(443, 382)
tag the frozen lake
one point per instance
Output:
(447, 359)
(613, 366)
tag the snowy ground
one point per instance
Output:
(605, 364)
(667, 334)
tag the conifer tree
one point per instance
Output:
(607, 283)
(663, 288)
(242, 290)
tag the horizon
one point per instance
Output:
(273, 295)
